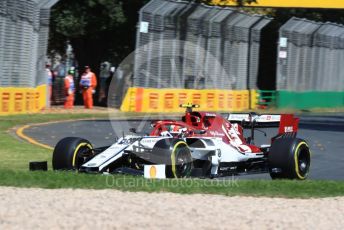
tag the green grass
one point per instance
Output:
(234, 186)
(16, 154)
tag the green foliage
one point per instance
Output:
(69, 25)
(98, 30)
(87, 18)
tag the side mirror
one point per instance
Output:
(243, 122)
(199, 131)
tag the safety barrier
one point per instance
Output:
(266, 99)
(22, 100)
(310, 99)
(168, 100)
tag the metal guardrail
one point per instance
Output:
(266, 99)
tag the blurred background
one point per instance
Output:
(271, 57)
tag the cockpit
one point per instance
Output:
(172, 129)
(198, 120)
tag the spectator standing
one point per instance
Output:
(88, 84)
(60, 72)
(49, 83)
(103, 76)
(69, 87)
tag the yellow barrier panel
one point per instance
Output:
(254, 99)
(5, 101)
(22, 100)
(41, 97)
(18, 101)
(334, 4)
(151, 100)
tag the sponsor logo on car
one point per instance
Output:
(216, 134)
(288, 129)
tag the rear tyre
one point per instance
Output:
(71, 152)
(289, 158)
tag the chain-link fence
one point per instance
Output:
(188, 45)
(24, 27)
(310, 56)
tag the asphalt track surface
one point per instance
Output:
(324, 134)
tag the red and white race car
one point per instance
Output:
(201, 144)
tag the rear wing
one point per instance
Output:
(287, 123)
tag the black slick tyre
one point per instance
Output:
(181, 160)
(289, 158)
(70, 153)
(176, 155)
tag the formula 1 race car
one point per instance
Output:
(201, 144)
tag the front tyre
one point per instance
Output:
(70, 153)
(289, 158)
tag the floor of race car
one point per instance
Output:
(325, 135)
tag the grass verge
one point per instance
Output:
(234, 186)
(15, 156)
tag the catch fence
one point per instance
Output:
(24, 29)
(195, 46)
(310, 56)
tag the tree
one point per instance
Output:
(98, 30)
